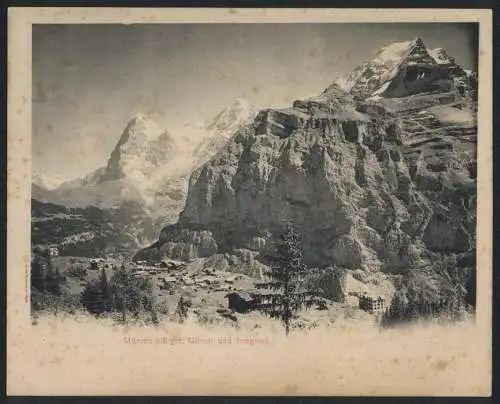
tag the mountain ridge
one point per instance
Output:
(378, 178)
(147, 168)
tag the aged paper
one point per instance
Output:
(69, 99)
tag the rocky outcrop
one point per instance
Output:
(372, 183)
(331, 284)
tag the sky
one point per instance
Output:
(90, 79)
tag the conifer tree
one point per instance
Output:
(104, 290)
(285, 293)
(38, 269)
(131, 295)
(182, 309)
(92, 298)
(44, 277)
(120, 288)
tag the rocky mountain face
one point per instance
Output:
(378, 173)
(148, 169)
(169, 187)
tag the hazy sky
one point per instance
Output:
(88, 80)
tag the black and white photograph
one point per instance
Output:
(240, 186)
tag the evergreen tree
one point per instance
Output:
(53, 280)
(456, 290)
(92, 298)
(44, 277)
(182, 309)
(120, 287)
(285, 293)
(131, 295)
(105, 290)
(38, 269)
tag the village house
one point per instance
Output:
(187, 281)
(97, 263)
(207, 280)
(53, 251)
(240, 302)
(172, 265)
(168, 282)
(222, 288)
(371, 304)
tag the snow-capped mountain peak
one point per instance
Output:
(47, 181)
(441, 56)
(139, 129)
(138, 116)
(401, 69)
(395, 52)
(142, 147)
(232, 116)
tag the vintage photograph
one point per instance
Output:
(294, 204)
(244, 175)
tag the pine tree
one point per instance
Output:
(105, 290)
(53, 280)
(38, 269)
(44, 277)
(182, 309)
(285, 293)
(131, 295)
(120, 288)
(92, 298)
(457, 291)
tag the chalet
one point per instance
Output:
(371, 304)
(240, 302)
(53, 251)
(322, 304)
(167, 283)
(222, 288)
(97, 263)
(187, 281)
(207, 280)
(233, 278)
(172, 265)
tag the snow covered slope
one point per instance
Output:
(403, 69)
(47, 181)
(218, 131)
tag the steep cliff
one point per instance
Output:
(378, 174)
